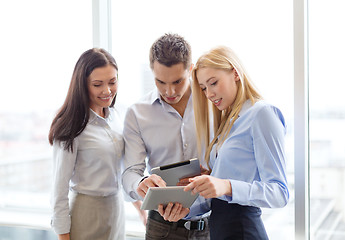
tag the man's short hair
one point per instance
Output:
(171, 49)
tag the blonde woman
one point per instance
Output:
(246, 156)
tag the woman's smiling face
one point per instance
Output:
(218, 85)
(102, 84)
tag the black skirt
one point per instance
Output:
(235, 222)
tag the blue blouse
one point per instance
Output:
(253, 159)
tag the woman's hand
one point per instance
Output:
(64, 236)
(209, 187)
(185, 181)
(142, 213)
(173, 212)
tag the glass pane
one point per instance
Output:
(41, 41)
(327, 119)
(259, 31)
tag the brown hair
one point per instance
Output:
(73, 116)
(171, 49)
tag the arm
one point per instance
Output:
(135, 154)
(63, 166)
(270, 190)
(134, 160)
(142, 213)
(268, 132)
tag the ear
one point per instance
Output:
(237, 78)
(190, 70)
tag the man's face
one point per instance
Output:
(172, 82)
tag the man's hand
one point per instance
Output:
(152, 181)
(173, 212)
(209, 187)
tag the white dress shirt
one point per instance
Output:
(155, 130)
(93, 168)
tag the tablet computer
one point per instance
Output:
(164, 195)
(172, 173)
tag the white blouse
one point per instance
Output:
(93, 168)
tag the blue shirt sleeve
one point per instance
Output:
(270, 190)
(200, 207)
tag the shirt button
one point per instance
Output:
(186, 145)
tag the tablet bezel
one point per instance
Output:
(172, 173)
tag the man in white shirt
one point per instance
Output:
(161, 129)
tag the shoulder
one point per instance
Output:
(267, 108)
(262, 108)
(264, 113)
(145, 104)
(60, 146)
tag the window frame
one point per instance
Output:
(301, 118)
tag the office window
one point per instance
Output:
(41, 42)
(260, 32)
(327, 119)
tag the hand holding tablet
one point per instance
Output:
(171, 174)
(165, 195)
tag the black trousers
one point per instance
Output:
(235, 222)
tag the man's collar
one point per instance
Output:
(156, 97)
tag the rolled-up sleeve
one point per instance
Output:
(63, 167)
(135, 154)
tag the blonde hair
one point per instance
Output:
(222, 58)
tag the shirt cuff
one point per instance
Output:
(61, 225)
(240, 192)
(199, 209)
(133, 192)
